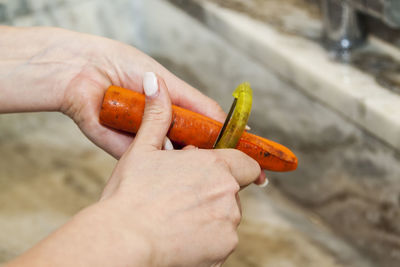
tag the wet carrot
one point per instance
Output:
(122, 109)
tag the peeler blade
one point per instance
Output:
(238, 116)
(228, 118)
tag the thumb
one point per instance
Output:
(157, 114)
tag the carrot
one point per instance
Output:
(123, 109)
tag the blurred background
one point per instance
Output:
(325, 75)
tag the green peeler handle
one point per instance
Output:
(244, 98)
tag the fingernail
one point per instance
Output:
(168, 144)
(266, 182)
(150, 84)
(247, 128)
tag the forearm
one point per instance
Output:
(93, 237)
(35, 68)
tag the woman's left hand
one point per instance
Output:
(69, 72)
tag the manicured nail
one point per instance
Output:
(167, 144)
(150, 84)
(266, 182)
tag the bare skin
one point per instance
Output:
(50, 69)
(159, 208)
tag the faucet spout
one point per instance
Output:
(343, 28)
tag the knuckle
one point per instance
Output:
(210, 158)
(221, 163)
(232, 186)
(233, 241)
(235, 211)
(210, 155)
(228, 186)
(236, 217)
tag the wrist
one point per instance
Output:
(124, 242)
(34, 77)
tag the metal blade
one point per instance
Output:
(228, 118)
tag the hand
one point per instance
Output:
(160, 208)
(67, 71)
(124, 66)
(186, 201)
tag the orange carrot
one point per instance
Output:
(123, 109)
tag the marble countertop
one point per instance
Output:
(40, 193)
(285, 37)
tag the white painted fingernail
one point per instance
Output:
(168, 144)
(247, 128)
(266, 182)
(150, 84)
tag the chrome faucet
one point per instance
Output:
(343, 26)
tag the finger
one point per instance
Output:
(245, 169)
(113, 142)
(157, 114)
(262, 180)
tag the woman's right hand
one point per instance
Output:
(160, 207)
(185, 202)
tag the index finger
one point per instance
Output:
(244, 168)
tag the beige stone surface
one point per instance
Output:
(49, 171)
(268, 239)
